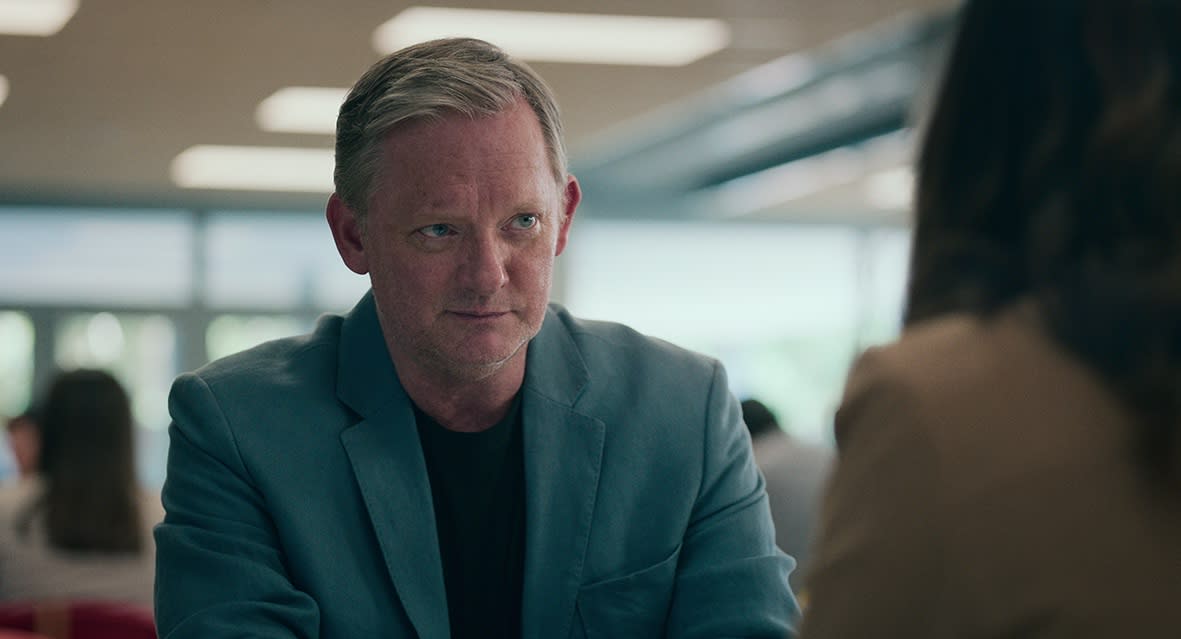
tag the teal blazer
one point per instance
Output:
(298, 503)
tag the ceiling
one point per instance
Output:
(96, 113)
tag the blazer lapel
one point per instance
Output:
(391, 472)
(563, 453)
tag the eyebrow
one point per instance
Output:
(429, 213)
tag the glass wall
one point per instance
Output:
(785, 307)
(228, 334)
(16, 361)
(147, 294)
(95, 256)
(887, 262)
(275, 260)
(140, 350)
(16, 374)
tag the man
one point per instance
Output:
(452, 458)
(795, 473)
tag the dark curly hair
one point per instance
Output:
(1051, 170)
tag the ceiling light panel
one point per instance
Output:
(301, 110)
(254, 168)
(563, 37)
(891, 189)
(35, 17)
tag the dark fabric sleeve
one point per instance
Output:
(219, 569)
(731, 578)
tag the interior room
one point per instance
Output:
(746, 178)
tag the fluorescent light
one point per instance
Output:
(3, 89)
(785, 183)
(892, 189)
(35, 17)
(301, 110)
(799, 179)
(563, 37)
(254, 168)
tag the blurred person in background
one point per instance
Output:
(1011, 467)
(795, 472)
(455, 458)
(24, 441)
(81, 527)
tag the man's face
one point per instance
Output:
(462, 230)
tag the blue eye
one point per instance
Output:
(435, 230)
(526, 221)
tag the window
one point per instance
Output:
(16, 362)
(228, 334)
(140, 350)
(887, 258)
(85, 256)
(276, 260)
(16, 376)
(776, 303)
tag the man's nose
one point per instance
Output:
(483, 271)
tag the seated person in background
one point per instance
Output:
(795, 473)
(80, 528)
(1011, 467)
(24, 440)
(454, 458)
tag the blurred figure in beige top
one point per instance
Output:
(1011, 467)
(80, 528)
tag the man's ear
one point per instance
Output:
(346, 232)
(573, 196)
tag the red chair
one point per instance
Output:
(20, 634)
(79, 619)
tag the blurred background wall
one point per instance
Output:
(164, 165)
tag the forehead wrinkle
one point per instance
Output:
(443, 166)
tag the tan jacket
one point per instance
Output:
(986, 488)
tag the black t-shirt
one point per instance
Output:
(478, 489)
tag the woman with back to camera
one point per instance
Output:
(1011, 466)
(81, 528)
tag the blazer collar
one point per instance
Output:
(563, 455)
(390, 469)
(554, 366)
(367, 381)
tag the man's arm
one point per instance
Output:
(219, 569)
(731, 579)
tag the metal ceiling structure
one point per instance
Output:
(96, 113)
(866, 86)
